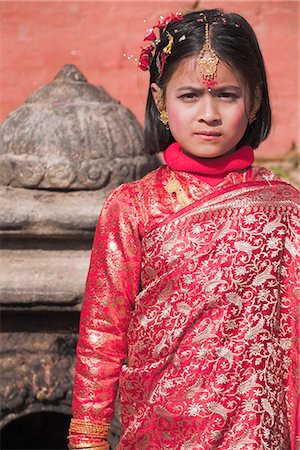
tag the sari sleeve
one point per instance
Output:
(112, 284)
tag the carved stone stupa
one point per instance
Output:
(71, 135)
(61, 153)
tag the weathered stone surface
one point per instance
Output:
(43, 380)
(49, 213)
(44, 375)
(41, 277)
(71, 135)
(61, 153)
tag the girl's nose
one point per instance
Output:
(208, 110)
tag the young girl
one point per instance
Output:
(194, 273)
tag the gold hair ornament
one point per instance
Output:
(207, 59)
(148, 52)
(256, 105)
(168, 48)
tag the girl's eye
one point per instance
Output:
(229, 96)
(189, 96)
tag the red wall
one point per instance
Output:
(39, 37)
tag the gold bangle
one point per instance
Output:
(86, 439)
(86, 443)
(90, 433)
(91, 429)
(104, 446)
(90, 445)
(83, 421)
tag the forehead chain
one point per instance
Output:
(207, 59)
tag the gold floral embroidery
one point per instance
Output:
(199, 307)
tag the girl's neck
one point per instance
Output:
(212, 170)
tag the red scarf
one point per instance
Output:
(211, 170)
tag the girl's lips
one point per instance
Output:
(208, 135)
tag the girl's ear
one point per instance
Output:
(158, 97)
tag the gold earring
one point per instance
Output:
(163, 115)
(256, 105)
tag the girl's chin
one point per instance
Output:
(207, 153)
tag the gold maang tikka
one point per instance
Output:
(207, 58)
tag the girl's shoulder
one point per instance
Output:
(135, 195)
(136, 201)
(263, 174)
(260, 173)
(149, 184)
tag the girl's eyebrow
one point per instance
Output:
(228, 87)
(213, 91)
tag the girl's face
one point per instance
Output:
(206, 122)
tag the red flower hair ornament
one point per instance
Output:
(147, 53)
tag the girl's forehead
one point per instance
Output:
(188, 71)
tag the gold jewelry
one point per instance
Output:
(160, 103)
(160, 100)
(163, 117)
(256, 105)
(207, 58)
(100, 446)
(89, 428)
(174, 187)
(97, 432)
(168, 48)
(85, 439)
(85, 443)
(89, 446)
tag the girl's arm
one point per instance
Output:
(112, 284)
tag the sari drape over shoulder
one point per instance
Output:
(198, 286)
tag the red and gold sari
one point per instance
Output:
(198, 287)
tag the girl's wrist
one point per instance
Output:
(87, 435)
(100, 446)
(86, 444)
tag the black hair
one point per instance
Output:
(235, 43)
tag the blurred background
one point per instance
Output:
(77, 136)
(39, 37)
